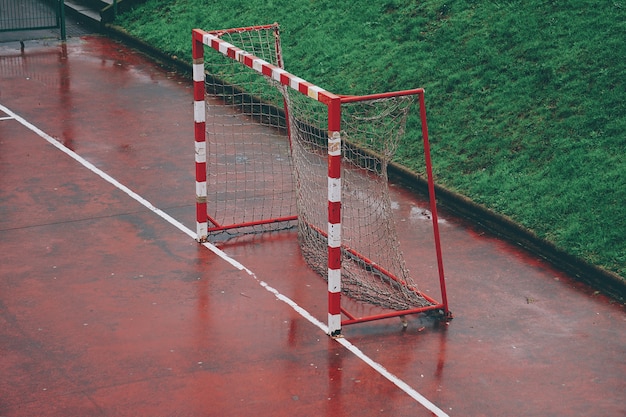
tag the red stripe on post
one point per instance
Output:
(334, 258)
(247, 61)
(303, 87)
(334, 115)
(201, 213)
(334, 303)
(197, 47)
(334, 166)
(334, 212)
(199, 129)
(198, 91)
(201, 171)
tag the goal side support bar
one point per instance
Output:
(333, 103)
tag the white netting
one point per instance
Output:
(373, 269)
(249, 180)
(241, 179)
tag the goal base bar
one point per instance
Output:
(439, 309)
(219, 228)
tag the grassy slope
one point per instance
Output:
(527, 106)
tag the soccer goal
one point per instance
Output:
(274, 151)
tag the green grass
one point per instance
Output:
(526, 99)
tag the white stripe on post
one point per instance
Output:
(200, 152)
(207, 38)
(198, 72)
(294, 82)
(334, 324)
(201, 191)
(202, 229)
(198, 112)
(224, 46)
(334, 235)
(334, 280)
(277, 72)
(334, 190)
(334, 144)
(314, 91)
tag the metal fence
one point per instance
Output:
(32, 14)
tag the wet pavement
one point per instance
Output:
(108, 310)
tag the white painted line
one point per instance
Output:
(304, 313)
(394, 379)
(358, 353)
(293, 305)
(97, 171)
(6, 118)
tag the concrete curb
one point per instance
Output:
(605, 281)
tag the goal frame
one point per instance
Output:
(333, 102)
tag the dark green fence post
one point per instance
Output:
(62, 17)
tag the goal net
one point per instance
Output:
(249, 181)
(319, 160)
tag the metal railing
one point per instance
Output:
(32, 15)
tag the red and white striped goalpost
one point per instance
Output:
(334, 229)
(334, 103)
(199, 117)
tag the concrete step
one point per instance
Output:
(95, 4)
(83, 11)
(97, 11)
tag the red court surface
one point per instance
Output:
(108, 307)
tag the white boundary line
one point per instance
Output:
(304, 313)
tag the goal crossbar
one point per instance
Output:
(338, 315)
